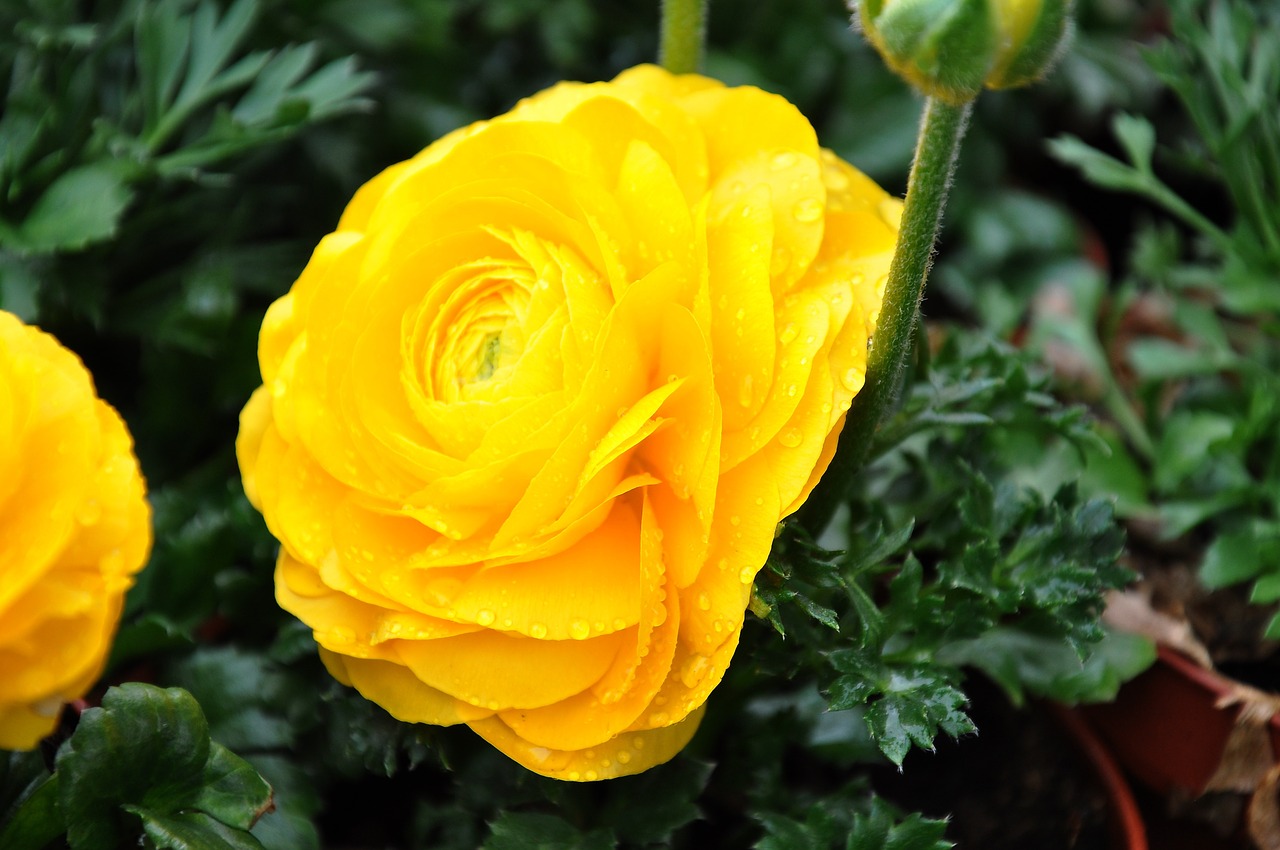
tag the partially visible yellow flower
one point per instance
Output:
(74, 529)
(531, 414)
(951, 49)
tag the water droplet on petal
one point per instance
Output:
(704, 602)
(746, 391)
(810, 209)
(780, 260)
(485, 617)
(790, 438)
(788, 334)
(624, 757)
(537, 630)
(747, 575)
(783, 160)
(89, 513)
(580, 630)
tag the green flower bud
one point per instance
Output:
(950, 49)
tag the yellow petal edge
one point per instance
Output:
(75, 527)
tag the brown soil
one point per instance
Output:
(1021, 782)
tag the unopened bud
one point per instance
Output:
(951, 49)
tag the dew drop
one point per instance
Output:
(485, 617)
(735, 520)
(779, 261)
(624, 757)
(783, 160)
(852, 378)
(788, 334)
(746, 575)
(790, 438)
(580, 629)
(808, 210)
(704, 602)
(89, 513)
(538, 630)
(746, 391)
(592, 776)
(619, 624)
(658, 718)
(574, 776)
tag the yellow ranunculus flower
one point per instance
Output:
(74, 529)
(532, 413)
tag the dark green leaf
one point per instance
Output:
(192, 831)
(232, 791)
(530, 831)
(147, 750)
(81, 207)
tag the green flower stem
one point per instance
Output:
(683, 32)
(937, 148)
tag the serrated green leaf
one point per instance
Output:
(1239, 555)
(231, 790)
(1162, 359)
(1021, 661)
(916, 703)
(148, 749)
(1138, 138)
(1267, 588)
(191, 831)
(878, 829)
(822, 614)
(670, 794)
(144, 746)
(1185, 444)
(213, 43)
(335, 88)
(271, 87)
(81, 207)
(162, 39)
(784, 833)
(532, 831)
(1098, 167)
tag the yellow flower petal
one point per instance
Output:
(627, 754)
(534, 410)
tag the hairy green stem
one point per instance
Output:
(683, 32)
(937, 147)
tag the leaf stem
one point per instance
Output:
(684, 26)
(942, 126)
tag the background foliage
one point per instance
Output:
(166, 167)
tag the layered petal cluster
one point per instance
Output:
(74, 529)
(531, 414)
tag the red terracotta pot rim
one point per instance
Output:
(1127, 823)
(1210, 680)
